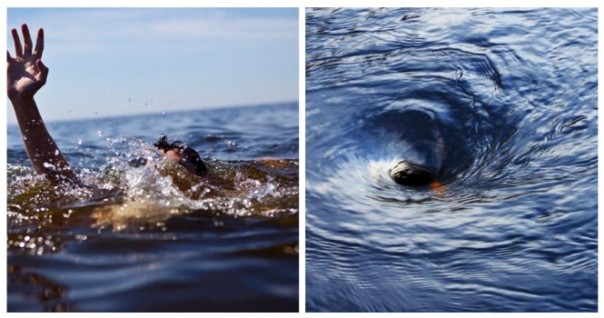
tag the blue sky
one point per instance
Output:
(111, 62)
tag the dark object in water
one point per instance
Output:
(184, 155)
(422, 148)
(409, 174)
(137, 162)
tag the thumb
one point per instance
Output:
(43, 71)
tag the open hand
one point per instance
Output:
(26, 73)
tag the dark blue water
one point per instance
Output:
(149, 242)
(514, 96)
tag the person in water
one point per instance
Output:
(184, 155)
(26, 74)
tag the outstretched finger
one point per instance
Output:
(8, 58)
(18, 47)
(27, 44)
(39, 44)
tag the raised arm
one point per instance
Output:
(26, 74)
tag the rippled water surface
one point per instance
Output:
(514, 225)
(152, 237)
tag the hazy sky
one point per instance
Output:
(109, 62)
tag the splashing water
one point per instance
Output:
(144, 215)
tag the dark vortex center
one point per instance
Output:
(412, 175)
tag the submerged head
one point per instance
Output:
(409, 174)
(184, 155)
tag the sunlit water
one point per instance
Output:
(514, 93)
(152, 237)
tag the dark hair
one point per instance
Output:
(162, 143)
(193, 157)
(188, 154)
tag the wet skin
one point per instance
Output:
(184, 155)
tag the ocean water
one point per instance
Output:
(151, 237)
(513, 227)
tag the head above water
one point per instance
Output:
(184, 155)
